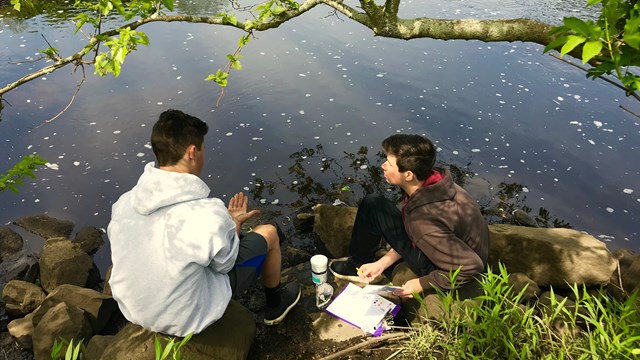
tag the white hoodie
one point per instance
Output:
(171, 249)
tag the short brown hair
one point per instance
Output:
(173, 133)
(414, 153)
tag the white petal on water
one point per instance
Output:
(380, 75)
(627, 191)
(229, 134)
(525, 189)
(148, 146)
(179, 77)
(36, 200)
(560, 98)
(246, 188)
(276, 201)
(256, 138)
(591, 142)
(597, 123)
(263, 201)
(610, 210)
(76, 163)
(302, 75)
(117, 132)
(455, 152)
(301, 112)
(159, 103)
(52, 166)
(363, 167)
(140, 154)
(475, 150)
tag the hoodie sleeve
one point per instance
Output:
(203, 233)
(448, 253)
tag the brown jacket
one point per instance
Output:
(445, 223)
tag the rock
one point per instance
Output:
(61, 321)
(22, 330)
(63, 263)
(19, 267)
(46, 226)
(228, 338)
(626, 279)
(293, 256)
(333, 225)
(89, 239)
(97, 306)
(107, 287)
(519, 281)
(21, 297)
(96, 346)
(551, 257)
(10, 242)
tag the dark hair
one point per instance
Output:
(414, 153)
(173, 133)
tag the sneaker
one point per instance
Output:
(289, 297)
(345, 269)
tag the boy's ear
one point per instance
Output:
(191, 152)
(409, 175)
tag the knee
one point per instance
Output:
(373, 200)
(270, 234)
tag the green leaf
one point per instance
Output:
(590, 49)
(635, 351)
(633, 40)
(278, 10)
(168, 4)
(557, 30)
(593, 2)
(557, 42)
(572, 42)
(243, 41)
(577, 25)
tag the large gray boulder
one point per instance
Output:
(551, 257)
(46, 226)
(333, 225)
(61, 262)
(19, 267)
(21, 297)
(97, 307)
(10, 242)
(61, 321)
(228, 338)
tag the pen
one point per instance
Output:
(358, 270)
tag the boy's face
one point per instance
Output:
(391, 172)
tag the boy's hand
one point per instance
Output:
(410, 287)
(368, 272)
(238, 210)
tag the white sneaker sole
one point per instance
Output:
(279, 319)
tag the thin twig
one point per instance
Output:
(599, 76)
(629, 111)
(370, 342)
(51, 47)
(70, 102)
(394, 354)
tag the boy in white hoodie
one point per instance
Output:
(177, 254)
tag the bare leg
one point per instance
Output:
(273, 262)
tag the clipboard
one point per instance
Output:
(363, 309)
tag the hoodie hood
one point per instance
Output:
(158, 188)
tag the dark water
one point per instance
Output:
(503, 112)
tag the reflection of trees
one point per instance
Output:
(353, 176)
(348, 183)
(200, 7)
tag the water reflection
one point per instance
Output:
(346, 181)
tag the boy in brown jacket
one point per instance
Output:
(438, 229)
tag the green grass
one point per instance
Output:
(502, 324)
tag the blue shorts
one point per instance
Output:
(251, 256)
